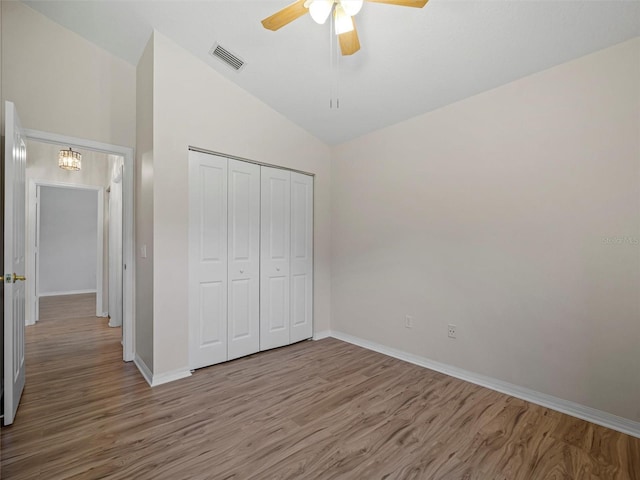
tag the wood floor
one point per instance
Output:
(68, 306)
(314, 410)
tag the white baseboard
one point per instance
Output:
(577, 410)
(68, 292)
(155, 380)
(144, 370)
(321, 335)
(170, 377)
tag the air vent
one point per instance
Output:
(227, 57)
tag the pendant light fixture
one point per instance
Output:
(70, 160)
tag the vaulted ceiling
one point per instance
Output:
(412, 60)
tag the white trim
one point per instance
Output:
(155, 380)
(57, 139)
(100, 254)
(321, 335)
(144, 370)
(128, 275)
(67, 292)
(31, 298)
(170, 377)
(577, 410)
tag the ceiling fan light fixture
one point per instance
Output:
(343, 22)
(351, 7)
(320, 10)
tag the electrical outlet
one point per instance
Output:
(408, 321)
(452, 331)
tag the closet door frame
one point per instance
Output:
(301, 258)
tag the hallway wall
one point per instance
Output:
(68, 238)
(97, 102)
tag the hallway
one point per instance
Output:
(76, 380)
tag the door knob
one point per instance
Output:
(277, 269)
(18, 277)
(241, 271)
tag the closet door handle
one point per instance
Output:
(241, 271)
(277, 269)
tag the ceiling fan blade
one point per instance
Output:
(285, 16)
(349, 41)
(403, 3)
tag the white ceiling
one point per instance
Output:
(412, 60)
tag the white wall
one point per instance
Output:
(496, 214)
(97, 102)
(68, 240)
(195, 106)
(144, 207)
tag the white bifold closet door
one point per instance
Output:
(207, 259)
(275, 258)
(244, 259)
(250, 258)
(224, 259)
(286, 258)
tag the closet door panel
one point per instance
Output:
(301, 299)
(210, 310)
(244, 259)
(207, 259)
(275, 218)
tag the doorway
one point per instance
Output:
(65, 250)
(115, 189)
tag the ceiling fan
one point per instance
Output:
(343, 13)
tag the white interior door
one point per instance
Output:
(207, 259)
(275, 226)
(115, 252)
(244, 259)
(14, 262)
(301, 257)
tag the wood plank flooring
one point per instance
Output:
(314, 410)
(68, 306)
